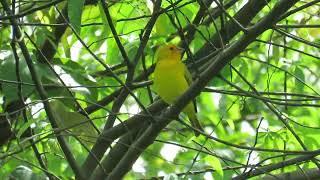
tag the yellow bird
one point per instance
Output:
(172, 79)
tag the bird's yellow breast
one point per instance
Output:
(169, 80)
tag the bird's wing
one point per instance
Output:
(188, 77)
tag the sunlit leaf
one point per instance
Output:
(215, 164)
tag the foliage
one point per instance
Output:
(93, 60)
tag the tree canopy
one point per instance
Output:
(77, 100)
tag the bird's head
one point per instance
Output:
(169, 52)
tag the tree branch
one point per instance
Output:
(269, 168)
(296, 175)
(109, 135)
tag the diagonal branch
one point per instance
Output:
(243, 16)
(109, 135)
(269, 168)
(115, 34)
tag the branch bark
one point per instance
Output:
(296, 175)
(269, 168)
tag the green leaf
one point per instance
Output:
(66, 45)
(311, 141)
(298, 82)
(52, 145)
(74, 13)
(25, 126)
(8, 72)
(78, 73)
(230, 123)
(226, 73)
(73, 121)
(244, 69)
(215, 164)
(163, 26)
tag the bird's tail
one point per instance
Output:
(190, 111)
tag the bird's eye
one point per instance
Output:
(171, 48)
